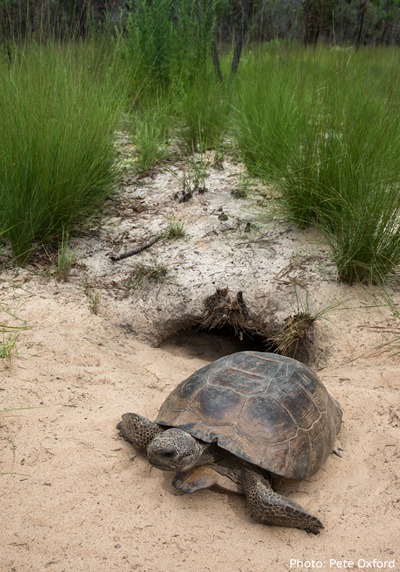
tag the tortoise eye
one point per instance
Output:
(168, 453)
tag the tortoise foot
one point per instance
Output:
(272, 508)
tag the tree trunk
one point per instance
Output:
(362, 8)
(311, 22)
(242, 20)
(216, 60)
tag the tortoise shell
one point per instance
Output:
(267, 409)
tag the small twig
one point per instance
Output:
(137, 249)
(384, 329)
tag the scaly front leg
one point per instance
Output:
(272, 508)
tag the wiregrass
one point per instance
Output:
(58, 119)
(151, 127)
(324, 128)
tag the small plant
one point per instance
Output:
(8, 346)
(150, 135)
(66, 259)
(192, 180)
(94, 297)
(194, 177)
(9, 326)
(175, 229)
(143, 273)
(218, 158)
(243, 187)
(296, 337)
(94, 300)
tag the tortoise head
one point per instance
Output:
(175, 450)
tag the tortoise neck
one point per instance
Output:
(210, 454)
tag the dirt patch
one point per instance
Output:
(77, 497)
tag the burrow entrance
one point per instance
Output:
(227, 325)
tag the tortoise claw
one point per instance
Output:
(274, 509)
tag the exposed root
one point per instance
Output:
(230, 316)
(295, 339)
(221, 310)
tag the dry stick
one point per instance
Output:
(137, 249)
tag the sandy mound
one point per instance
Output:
(75, 497)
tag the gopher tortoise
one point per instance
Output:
(243, 423)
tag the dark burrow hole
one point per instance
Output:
(227, 325)
(211, 344)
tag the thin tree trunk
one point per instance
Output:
(361, 16)
(311, 23)
(241, 26)
(216, 60)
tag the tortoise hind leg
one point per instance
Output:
(137, 429)
(275, 509)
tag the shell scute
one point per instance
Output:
(267, 409)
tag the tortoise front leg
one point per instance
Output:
(204, 477)
(137, 430)
(272, 508)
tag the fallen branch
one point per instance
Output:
(136, 250)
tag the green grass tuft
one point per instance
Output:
(324, 128)
(58, 119)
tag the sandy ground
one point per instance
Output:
(76, 497)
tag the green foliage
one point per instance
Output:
(267, 113)
(326, 132)
(150, 39)
(58, 118)
(167, 42)
(167, 55)
(7, 346)
(66, 258)
(322, 126)
(175, 229)
(151, 125)
(192, 179)
(203, 110)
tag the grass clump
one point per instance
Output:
(203, 112)
(174, 230)
(150, 134)
(156, 274)
(167, 55)
(192, 179)
(8, 346)
(327, 133)
(10, 325)
(66, 259)
(58, 119)
(194, 175)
